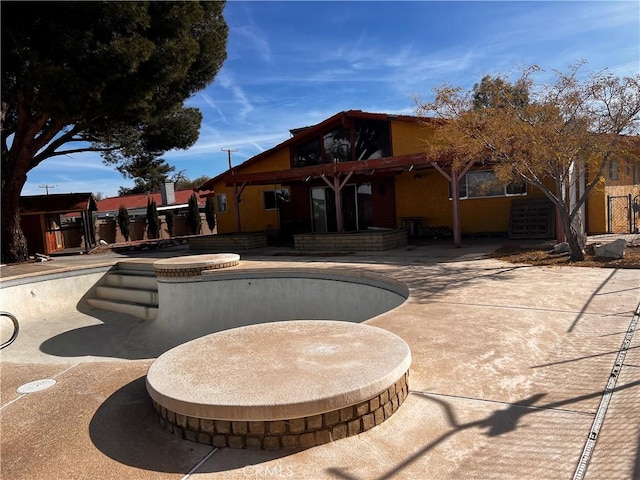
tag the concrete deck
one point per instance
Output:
(509, 368)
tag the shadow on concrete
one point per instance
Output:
(595, 355)
(126, 428)
(498, 423)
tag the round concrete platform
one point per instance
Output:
(283, 384)
(194, 265)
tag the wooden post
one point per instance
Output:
(455, 198)
(338, 199)
(336, 185)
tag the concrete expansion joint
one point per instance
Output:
(609, 390)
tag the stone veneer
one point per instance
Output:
(289, 434)
(365, 241)
(230, 242)
(194, 265)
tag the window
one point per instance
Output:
(337, 145)
(371, 139)
(613, 170)
(307, 154)
(273, 198)
(481, 184)
(221, 202)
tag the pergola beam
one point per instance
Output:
(301, 173)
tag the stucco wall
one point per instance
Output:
(253, 216)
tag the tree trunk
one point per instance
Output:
(14, 243)
(573, 238)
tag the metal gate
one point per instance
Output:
(635, 213)
(623, 213)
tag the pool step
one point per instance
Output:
(131, 288)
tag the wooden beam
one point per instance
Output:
(301, 173)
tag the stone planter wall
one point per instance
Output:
(365, 241)
(289, 434)
(228, 243)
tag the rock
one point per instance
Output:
(562, 247)
(611, 250)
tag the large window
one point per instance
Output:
(307, 154)
(337, 145)
(366, 140)
(371, 139)
(272, 198)
(481, 184)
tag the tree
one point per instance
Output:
(210, 213)
(148, 174)
(108, 77)
(153, 219)
(193, 215)
(558, 136)
(124, 221)
(170, 218)
(185, 183)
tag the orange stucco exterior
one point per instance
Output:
(418, 193)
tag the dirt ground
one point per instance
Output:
(544, 256)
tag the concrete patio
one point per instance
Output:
(510, 364)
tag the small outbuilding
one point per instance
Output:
(56, 222)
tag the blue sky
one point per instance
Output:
(291, 64)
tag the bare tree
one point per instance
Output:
(558, 136)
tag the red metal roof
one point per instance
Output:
(140, 201)
(57, 203)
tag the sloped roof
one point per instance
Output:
(300, 134)
(140, 201)
(57, 203)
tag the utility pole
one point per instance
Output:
(47, 187)
(229, 150)
(236, 200)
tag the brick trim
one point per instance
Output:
(295, 433)
(191, 271)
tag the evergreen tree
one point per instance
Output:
(108, 77)
(123, 221)
(153, 220)
(210, 213)
(194, 215)
(170, 218)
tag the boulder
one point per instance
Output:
(561, 248)
(611, 250)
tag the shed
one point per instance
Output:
(56, 222)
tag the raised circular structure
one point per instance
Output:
(278, 385)
(194, 265)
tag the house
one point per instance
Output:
(168, 199)
(358, 171)
(58, 222)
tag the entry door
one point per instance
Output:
(319, 210)
(323, 209)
